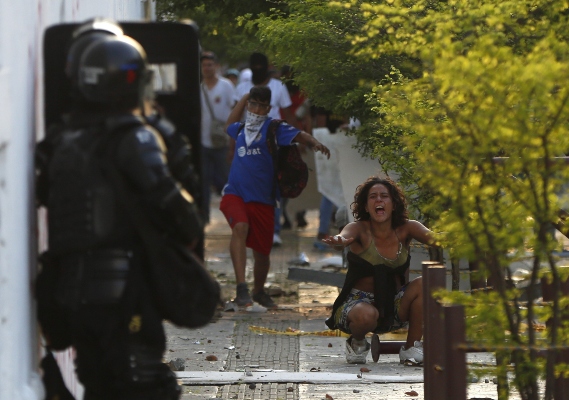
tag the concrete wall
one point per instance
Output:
(22, 23)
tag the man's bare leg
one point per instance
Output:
(260, 270)
(238, 250)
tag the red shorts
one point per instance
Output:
(260, 218)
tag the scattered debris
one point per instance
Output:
(412, 393)
(202, 378)
(177, 364)
(410, 362)
(231, 306)
(331, 268)
(315, 369)
(357, 391)
(256, 308)
(296, 332)
(275, 291)
(328, 397)
(330, 345)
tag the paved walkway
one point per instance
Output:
(268, 366)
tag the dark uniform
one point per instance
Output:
(111, 319)
(179, 154)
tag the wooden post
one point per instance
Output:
(561, 388)
(455, 365)
(455, 265)
(434, 278)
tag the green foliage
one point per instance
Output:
(441, 87)
(490, 85)
(219, 21)
(315, 38)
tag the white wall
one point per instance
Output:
(22, 23)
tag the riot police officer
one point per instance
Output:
(179, 152)
(110, 316)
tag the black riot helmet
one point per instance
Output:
(114, 73)
(87, 33)
(98, 24)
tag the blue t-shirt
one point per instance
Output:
(251, 175)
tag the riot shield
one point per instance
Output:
(173, 50)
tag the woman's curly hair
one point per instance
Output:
(400, 214)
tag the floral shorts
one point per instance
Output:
(358, 296)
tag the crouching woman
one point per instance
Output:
(376, 296)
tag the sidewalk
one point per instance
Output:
(227, 360)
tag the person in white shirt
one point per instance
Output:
(280, 98)
(217, 101)
(245, 75)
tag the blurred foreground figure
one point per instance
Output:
(97, 263)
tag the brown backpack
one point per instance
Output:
(291, 172)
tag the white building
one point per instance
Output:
(22, 24)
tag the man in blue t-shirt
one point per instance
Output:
(248, 198)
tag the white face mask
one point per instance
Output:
(253, 124)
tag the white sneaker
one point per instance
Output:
(277, 240)
(357, 356)
(413, 354)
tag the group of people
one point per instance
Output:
(250, 176)
(376, 296)
(111, 320)
(219, 96)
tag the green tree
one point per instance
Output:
(316, 39)
(490, 84)
(220, 21)
(442, 87)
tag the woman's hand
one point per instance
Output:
(338, 242)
